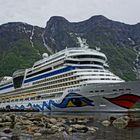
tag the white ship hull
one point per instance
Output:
(117, 97)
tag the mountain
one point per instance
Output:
(22, 44)
(119, 41)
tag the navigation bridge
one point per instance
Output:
(18, 77)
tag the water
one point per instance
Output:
(118, 131)
(111, 132)
(131, 132)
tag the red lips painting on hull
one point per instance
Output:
(126, 100)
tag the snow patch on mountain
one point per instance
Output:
(44, 42)
(131, 40)
(137, 61)
(31, 37)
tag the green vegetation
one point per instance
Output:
(17, 52)
(20, 56)
(120, 58)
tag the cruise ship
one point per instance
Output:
(74, 79)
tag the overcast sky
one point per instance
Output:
(37, 12)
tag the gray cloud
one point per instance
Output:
(37, 12)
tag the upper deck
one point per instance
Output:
(77, 52)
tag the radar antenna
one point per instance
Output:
(45, 55)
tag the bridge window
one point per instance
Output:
(89, 56)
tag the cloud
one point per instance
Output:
(37, 12)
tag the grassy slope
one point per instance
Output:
(120, 59)
(21, 55)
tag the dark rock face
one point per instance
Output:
(22, 44)
(119, 41)
(96, 30)
(57, 34)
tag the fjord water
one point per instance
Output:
(107, 126)
(110, 126)
(76, 126)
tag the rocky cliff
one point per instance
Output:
(21, 44)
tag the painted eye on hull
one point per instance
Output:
(76, 103)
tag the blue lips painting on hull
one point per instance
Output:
(70, 100)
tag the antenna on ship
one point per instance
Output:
(98, 48)
(66, 49)
(85, 45)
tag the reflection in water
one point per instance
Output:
(122, 126)
(105, 126)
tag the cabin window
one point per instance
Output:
(39, 72)
(96, 90)
(58, 95)
(29, 72)
(113, 79)
(114, 89)
(18, 81)
(84, 62)
(32, 98)
(21, 99)
(121, 89)
(38, 97)
(89, 56)
(128, 89)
